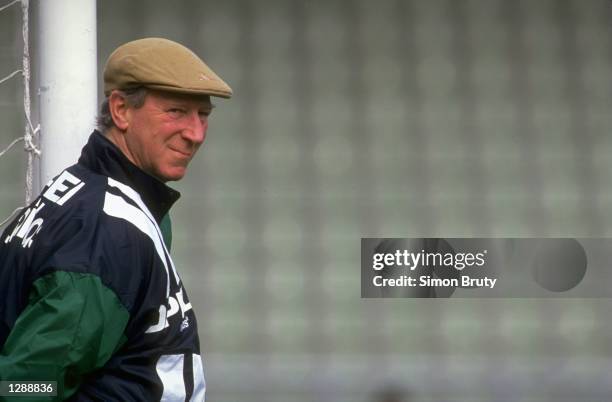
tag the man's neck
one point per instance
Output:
(117, 137)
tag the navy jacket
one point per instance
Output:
(89, 295)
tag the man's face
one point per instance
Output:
(164, 134)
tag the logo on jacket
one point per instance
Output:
(27, 227)
(185, 323)
(59, 191)
(175, 304)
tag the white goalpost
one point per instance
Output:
(67, 88)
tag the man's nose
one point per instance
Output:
(196, 128)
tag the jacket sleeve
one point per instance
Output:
(71, 326)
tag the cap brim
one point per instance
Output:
(218, 92)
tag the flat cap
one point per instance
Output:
(161, 64)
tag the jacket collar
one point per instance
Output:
(103, 157)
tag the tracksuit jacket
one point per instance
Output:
(89, 295)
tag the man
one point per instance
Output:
(89, 295)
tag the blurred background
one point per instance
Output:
(353, 118)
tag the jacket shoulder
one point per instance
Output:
(81, 223)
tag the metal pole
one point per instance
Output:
(68, 81)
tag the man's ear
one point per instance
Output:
(119, 110)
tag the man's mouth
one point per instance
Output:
(185, 154)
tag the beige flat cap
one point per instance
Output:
(161, 64)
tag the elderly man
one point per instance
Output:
(89, 295)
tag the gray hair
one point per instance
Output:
(134, 97)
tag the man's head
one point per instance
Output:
(158, 103)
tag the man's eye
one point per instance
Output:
(176, 111)
(204, 113)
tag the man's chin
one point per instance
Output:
(172, 174)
